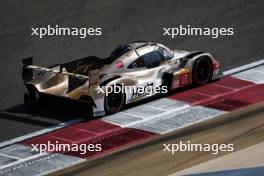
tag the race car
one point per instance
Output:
(145, 67)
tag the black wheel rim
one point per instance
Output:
(114, 102)
(203, 71)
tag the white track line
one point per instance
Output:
(22, 160)
(129, 114)
(243, 68)
(9, 156)
(157, 108)
(177, 110)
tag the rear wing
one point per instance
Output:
(28, 68)
(28, 73)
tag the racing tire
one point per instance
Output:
(32, 98)
(202, 71)
(114, 102)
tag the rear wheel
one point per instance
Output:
(32, 98)
(114, 102)
(202, 71)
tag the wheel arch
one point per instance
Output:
(191, 58)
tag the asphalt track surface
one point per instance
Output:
(247, 129)
(121, 21)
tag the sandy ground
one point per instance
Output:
(246, 130)
(250, 157)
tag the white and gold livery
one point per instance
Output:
(135, 64)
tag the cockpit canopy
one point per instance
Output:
(120, 50)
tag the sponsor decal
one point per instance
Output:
(119, 64)
(181, 80)
(142, 90)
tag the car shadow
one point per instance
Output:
(48, 113)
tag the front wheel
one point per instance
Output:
(114, 102)
(202, 71)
